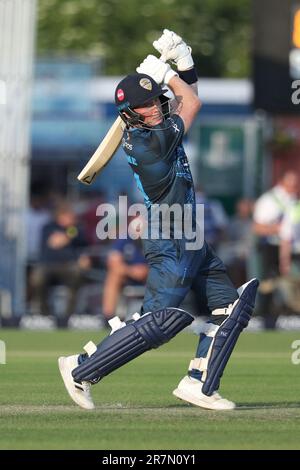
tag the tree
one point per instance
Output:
(121, 32)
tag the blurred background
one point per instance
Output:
(60, 61)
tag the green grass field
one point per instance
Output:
(135, 406)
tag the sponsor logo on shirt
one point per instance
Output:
(126, 144)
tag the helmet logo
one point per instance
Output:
(145, 83)
(120, 94)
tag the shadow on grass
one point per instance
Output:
(244, 406)
(272, 406)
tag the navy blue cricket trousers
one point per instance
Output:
(175, 270)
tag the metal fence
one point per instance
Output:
(17, 33)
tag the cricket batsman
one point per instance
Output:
(152, 142)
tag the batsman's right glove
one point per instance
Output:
(173, 48)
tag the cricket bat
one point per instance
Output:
(104, 153)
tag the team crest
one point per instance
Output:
(145, 83)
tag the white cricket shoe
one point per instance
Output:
(190, 390)
(79, 392)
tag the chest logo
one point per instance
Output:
(175, 127)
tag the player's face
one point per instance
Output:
(152, 112)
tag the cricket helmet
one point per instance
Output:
(134, 91)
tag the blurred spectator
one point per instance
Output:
(237, 248)
(125, 265)
(290, 242)
(37, 216)
(269, 212)
(88, 215)
(215, 219)
(62, 260)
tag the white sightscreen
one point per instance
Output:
(17, 32)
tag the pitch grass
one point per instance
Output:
(135, 406)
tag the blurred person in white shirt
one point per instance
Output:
(270, 208)
(269, 212)
(290, 242)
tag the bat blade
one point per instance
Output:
(104, 153)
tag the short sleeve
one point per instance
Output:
(266, 211)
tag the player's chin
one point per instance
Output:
(155, 122)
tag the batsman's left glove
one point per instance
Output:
(172, 47)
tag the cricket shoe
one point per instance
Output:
(79, 392)
(190, 390)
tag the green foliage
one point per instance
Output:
(121, 32)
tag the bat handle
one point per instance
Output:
(163, 58)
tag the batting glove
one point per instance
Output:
(172, 47)
(156, 69)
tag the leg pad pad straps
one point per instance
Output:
(227, 336)
(148, 332)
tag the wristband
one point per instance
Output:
(188, 76)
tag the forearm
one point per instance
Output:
(182, 89)
(174, 103)
(111, 292)
(265, 230)
(188, 102)
(194, 87)
(285, 254)
(137, 272)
